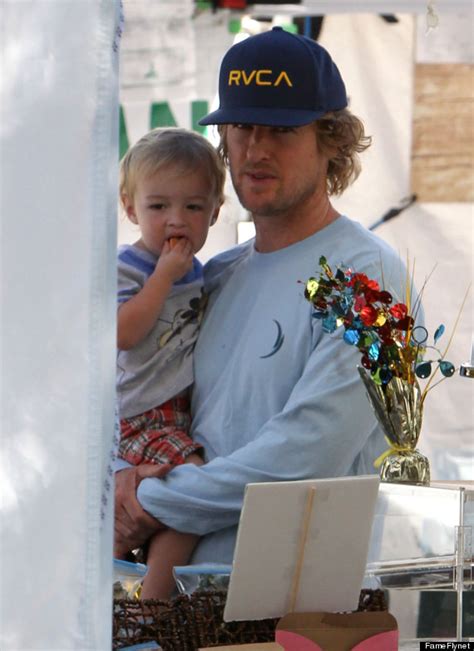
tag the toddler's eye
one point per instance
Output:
(195, 206)
(156, 206)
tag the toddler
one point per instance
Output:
(171, 187)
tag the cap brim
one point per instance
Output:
(262, 116)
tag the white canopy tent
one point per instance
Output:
(58, 167)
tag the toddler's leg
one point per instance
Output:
(167, 549)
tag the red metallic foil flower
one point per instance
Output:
(386, 335)
(399, 311)
(368, 315)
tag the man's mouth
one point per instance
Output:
(257, 175)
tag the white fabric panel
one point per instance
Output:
(184, 52)
(58, 164)
(451, 42)
(157, 61)
(376, 62)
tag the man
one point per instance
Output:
(275, 398)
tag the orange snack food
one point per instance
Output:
(173, 241)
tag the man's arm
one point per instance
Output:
(320, 432)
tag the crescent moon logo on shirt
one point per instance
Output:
(280, 338)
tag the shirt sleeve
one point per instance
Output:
(129, 282)
(325, 424)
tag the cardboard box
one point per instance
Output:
(259, 646)
(371, 631)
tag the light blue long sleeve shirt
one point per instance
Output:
(275, 398)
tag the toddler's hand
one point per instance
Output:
(176, 258)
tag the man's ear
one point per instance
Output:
(129, 208)
(215, 216)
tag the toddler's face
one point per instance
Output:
(170, 204)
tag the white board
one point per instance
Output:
(271, 528)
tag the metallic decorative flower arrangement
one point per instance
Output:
(392, 349)
(385, 333)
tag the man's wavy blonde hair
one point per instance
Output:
(341, 137)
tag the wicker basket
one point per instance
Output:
(190, 622)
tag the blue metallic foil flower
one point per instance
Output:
(390, 343)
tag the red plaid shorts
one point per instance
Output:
(159, 435)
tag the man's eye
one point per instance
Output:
(284, 129)
(242, 126)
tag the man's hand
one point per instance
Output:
(133, 526)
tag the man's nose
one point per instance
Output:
(258, 144)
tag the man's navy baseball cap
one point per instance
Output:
(277, 79)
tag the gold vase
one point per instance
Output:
(398, 408)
